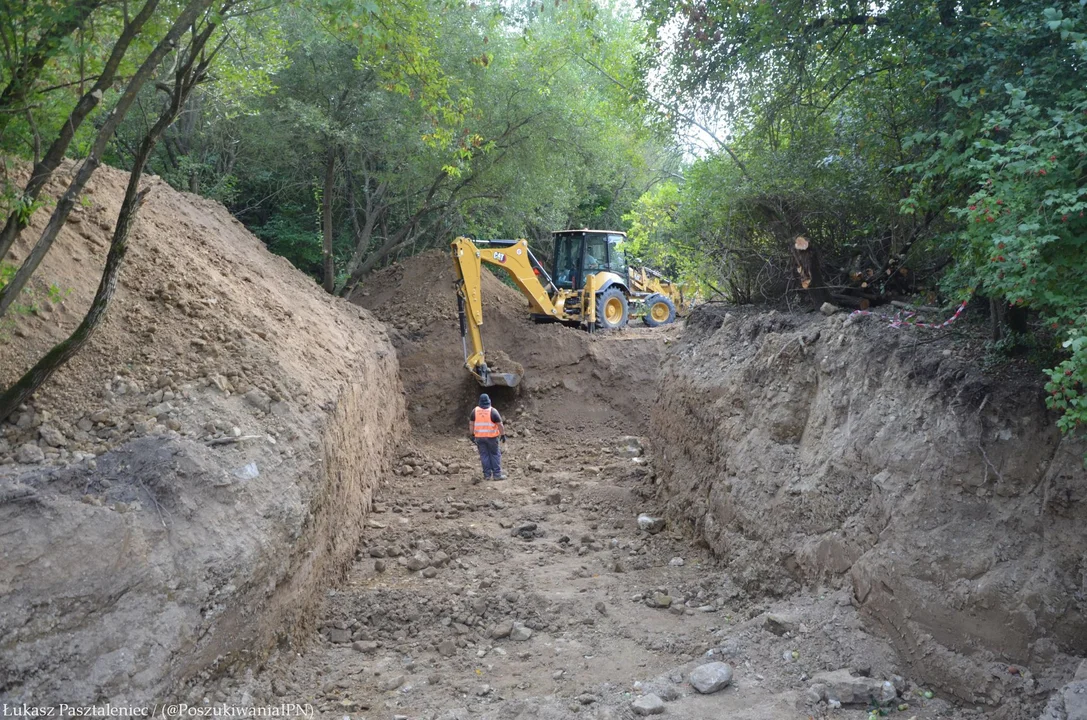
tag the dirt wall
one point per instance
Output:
(825, 452)
(175, 502)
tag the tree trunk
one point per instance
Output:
(810, 271)
(186, 78)
(326, 221)
(363, 235)
(61, 353)
(44, 169)
(996, 318)
(67, 201)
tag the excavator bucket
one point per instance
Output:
(498, 371)
(498, 379)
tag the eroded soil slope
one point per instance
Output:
(178, 496)
(834, 452)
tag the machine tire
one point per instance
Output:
(612, 309)
(659, 310)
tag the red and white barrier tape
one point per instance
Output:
(903, 319)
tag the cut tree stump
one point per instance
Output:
(810, 271)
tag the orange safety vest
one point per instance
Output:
(482, 426)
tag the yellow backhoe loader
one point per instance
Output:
(664, 300)
(588, 286)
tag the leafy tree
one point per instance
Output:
(971, 111)
(461, 119)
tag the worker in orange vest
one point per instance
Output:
(486, 428)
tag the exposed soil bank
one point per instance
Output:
(811, 451)
(178, 498)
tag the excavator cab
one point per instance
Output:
(583, 253)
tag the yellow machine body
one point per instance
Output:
(575, 306)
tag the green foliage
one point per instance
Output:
(1016, 143)
(54, 293)
(444, 118)
(974, 113)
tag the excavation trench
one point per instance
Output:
(844, 510)
(839, 498)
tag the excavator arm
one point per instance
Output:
(515, 259)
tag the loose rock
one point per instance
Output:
(29, 454)
(780, 624)
(52, 437)
(650, 524)
(711, 677)
(393, 683)
(659, 600)
(843, 687)
(647, 705)
(520, 632)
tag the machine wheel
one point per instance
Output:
(612, 310)
(659, 310)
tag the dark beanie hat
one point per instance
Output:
(484, 400)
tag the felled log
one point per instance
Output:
(810, 271)
(859, 303)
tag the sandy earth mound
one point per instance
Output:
(179, 494)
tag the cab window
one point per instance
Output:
(596, 253)
(567, 250)
(617, 261)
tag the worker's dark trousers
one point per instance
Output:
(491, 456)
